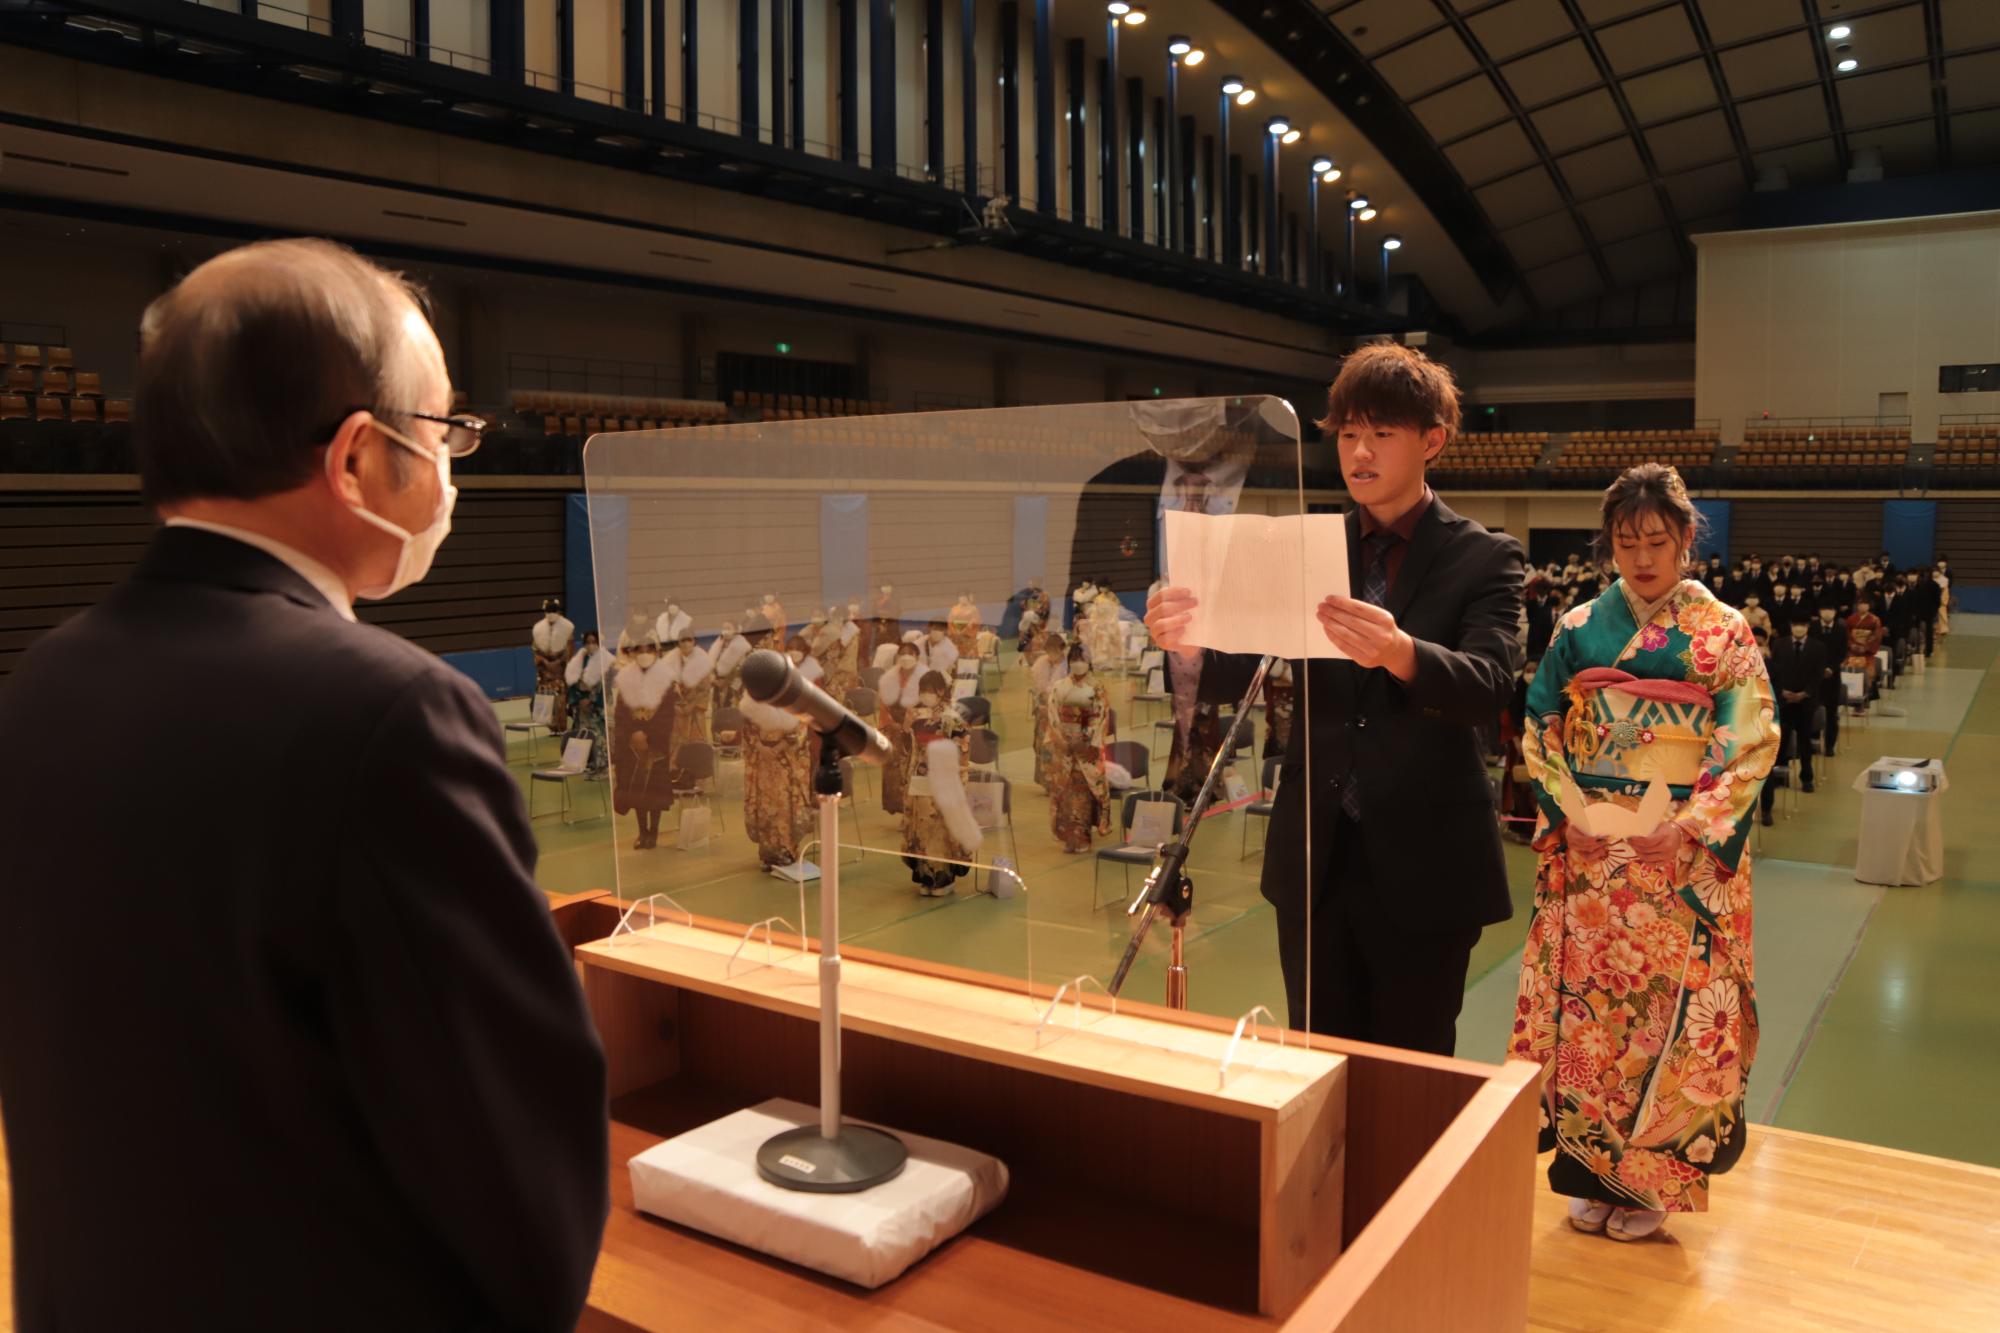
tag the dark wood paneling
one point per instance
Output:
(1968, 535)
(60, 554)
(1843, 532)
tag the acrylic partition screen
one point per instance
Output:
(972, 583)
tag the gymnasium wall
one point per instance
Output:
(1820, 321)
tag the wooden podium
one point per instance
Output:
(1316, 1184)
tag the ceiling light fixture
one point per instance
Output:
(1136, 17)
(1848, 66)
(1246, 97)
(1322, 165)
(1292, 136)
(1838, 31)
(1358, 202)
(1278, 125)
(1331, 174)
(1194, 57)
(1178, 45)
(1231, 85)
(1366, 215)
(1117, 8)
(1392, 242)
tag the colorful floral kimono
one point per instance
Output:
(1104, 631)
(779, 809)
(1079, 795)
(694, 698)
(1280, 703)
(1864, 640)
(550, 641)
(1041, 677)
(1034, 602)
(842, 659)
(938, 827)
(1637, 996)
(583, 678)
(898, 695)
(961, 626)
(642, 729)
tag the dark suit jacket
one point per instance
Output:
(290, 1039)
(1798, 667)
(1427, 812)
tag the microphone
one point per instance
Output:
(770, 678)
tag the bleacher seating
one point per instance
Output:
(1967, 456)
(1801, 456)
(55, 416)
(579, 414)
(1502, 459)
(1595, 458)
(800, 407)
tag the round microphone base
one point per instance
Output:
(855, 1159)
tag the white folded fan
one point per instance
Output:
(1607, 819)
(707, 1179)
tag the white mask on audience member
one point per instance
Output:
(928, 699)
(797, 657)
(1079, 668)
(645, 660)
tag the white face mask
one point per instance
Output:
(1079, 668)
(798, 658)
(552, 617)
(419, 548)
(928, 700)
(907, 663)
(645, 660)
(937, 636)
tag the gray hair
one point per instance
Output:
(251, 362)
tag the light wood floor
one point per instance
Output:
(1805, 1233)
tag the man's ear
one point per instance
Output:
(1434, 440)
(345, 457)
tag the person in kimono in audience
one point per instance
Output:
(1034, 602)
(673, 623)
(962, 626)
(1865, 633)
(1047, 668)
(583, 681)
(731, 646)
(1280, 703)
(1077, 729)
(779, 809)
(840, 653)
(642, 732)
(552, 638)
(773, 613)
(939, 830)
(940, 653)
(1637, 996)
(694, 692)
(800, 652)
(885, 615)
(898, 692)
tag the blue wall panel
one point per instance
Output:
(1909, 531)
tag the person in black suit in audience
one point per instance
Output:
(1797, 606)
(1929, 598)
(1798, 676)
(1541, 617)
(1779, 611)
(1830, 633)
(323, 1064)
(1400, 795)
(1839, 593)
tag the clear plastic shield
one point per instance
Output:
(973, 584)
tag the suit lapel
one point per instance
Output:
(1425, 543)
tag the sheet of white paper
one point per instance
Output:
(1258, 579)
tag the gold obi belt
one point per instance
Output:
(1624, 728)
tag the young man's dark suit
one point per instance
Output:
(1397, 898)
(1832, 640)
(1797, 667)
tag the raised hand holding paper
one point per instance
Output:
(1257, 579)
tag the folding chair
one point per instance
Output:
(575, 764)
(694, 764)
(1133, 757)
(1128, 854)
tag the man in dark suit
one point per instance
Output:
(1798, 678)
(1376, 927)
(318, 1060)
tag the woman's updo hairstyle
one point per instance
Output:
(1650, 490)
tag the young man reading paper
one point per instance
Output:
(1374, 935)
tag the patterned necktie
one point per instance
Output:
(1375, 590)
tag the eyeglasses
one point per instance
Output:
(462, 430)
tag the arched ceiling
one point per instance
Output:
(1593, 137)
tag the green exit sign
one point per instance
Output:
(784, 349)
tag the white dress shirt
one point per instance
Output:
(324, 580)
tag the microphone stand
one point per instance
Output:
(1168, 891)
(830, 1158)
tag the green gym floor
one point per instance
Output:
(1879, 1018)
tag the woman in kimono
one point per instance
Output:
(1651, 709)
(642, 730)
(552, 638)
(840, 653)
(1280, 703)
(1104, 629)
(938, 824)
(779, 809)
(898, 692)
(727, 652)
(1034, 603)
(962, 626)
(1079, 794)
(1864, 641)
(694, 692)
(1043, 673)
(673, 623)
(583, 678)
(800, 651)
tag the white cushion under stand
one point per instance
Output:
(707, 1179)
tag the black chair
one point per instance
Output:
(1133, 757)
(871, 677)
(1127, 854)
(1267, 800)
(984, 746)
(976, 709)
